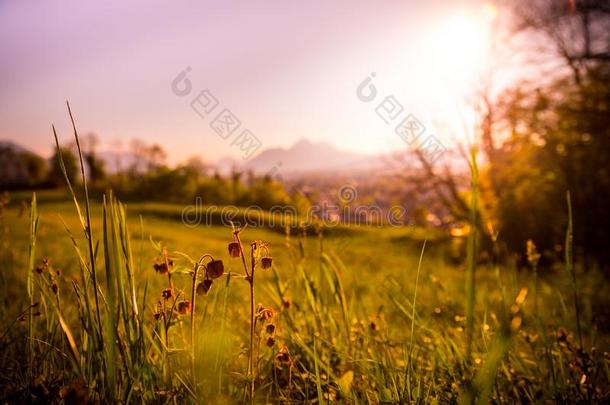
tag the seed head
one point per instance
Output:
(234, 249)
(270, 328)
(215, 269)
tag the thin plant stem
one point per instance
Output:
(193, 298)
(250, 278)
(421, 257)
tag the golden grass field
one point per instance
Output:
(356, 317)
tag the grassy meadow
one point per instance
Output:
(364, 315)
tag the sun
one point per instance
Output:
(460, 42)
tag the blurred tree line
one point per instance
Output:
(141, 174)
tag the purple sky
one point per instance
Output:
(287, 70)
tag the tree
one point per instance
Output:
(559, 141)
(553, 135)
(35, 167)
(95, 165)
(56, 176)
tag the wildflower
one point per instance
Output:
(286, 302)
(270, 341)
(283, 356)
(270, 328)
(515, 323)
(44, 266)
(167, 293)
(532, 254)
(184, 307)
(521, 296)
(75, 393)
(215, 269)
(163, 267)
(266, 262)
(263, 313)
(562, 335)
(204, 286)
(234, 249)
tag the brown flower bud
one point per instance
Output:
(270, 328)
(161, 268)
(167, 293)
(562, 335)
(215, 269)
(204, 286)
(184, 307)
(234, 249)
(266, 262)
(270, 341)
(55, 288)
(283, 355)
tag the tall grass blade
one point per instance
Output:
(570, 266)
(30, 283)
(471, 254)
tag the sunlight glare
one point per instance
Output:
(460, 43)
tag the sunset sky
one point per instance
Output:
(287, 70)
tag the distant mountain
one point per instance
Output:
(306, 157)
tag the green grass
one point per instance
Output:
(346, 327)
